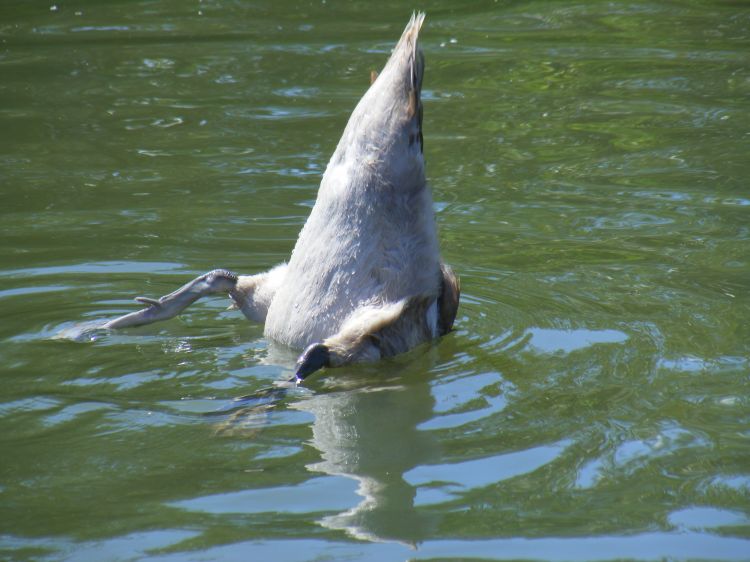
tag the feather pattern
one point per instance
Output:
(370, 239)
(365, 279)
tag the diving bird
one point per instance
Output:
(365, 279)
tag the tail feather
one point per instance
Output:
(450, 294)
(411, 33)
(416, 64)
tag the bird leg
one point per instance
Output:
(169, 306)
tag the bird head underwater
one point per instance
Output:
(365, 279)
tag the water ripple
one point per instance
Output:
(443, 482)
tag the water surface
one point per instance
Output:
(588, 163)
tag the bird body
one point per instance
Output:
(365, 279)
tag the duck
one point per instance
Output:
(365, 279)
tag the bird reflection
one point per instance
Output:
(368, 433)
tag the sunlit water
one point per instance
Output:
(588, 163)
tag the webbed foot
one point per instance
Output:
(169, 306)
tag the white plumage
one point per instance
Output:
(365, 278)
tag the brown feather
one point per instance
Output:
(448, 299)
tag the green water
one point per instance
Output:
(588, 162)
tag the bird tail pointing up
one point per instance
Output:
(387, 122)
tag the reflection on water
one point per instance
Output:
(364, 455)
(325, 493)
(439, 483)
(369, 435)
(549, 341)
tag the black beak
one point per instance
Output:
(315, 357)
